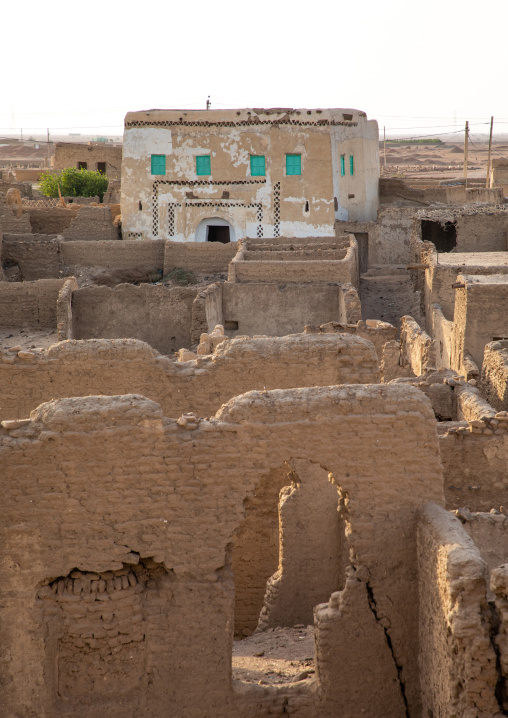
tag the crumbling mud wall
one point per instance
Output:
(475, 467)
(118, 366)
(201, 257)
(30, 304)
(159, 315)
(494, 384)
(316, 262)
(50, 220)
(279, 309)
(92, 224)
(417, 349)
(457, 659)
(110, 483)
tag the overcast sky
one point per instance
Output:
(416, 67)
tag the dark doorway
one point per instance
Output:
(443, 236)
(218, 234)
(101, 167)
(362, 239)
(82, 166)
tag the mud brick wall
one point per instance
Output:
(51, 220)
(494, 384)
(29, 304)
(80, 368)
(92, 224)
(107, 254)
(200, 257)
(457, 659)
(279, 309)
(102, 484)
(46, 256)
(38, 256)
(417, 349)
(259, 266)
(475, 470)
(159, 315)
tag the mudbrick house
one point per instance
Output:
(220, 175)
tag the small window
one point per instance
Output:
(257, 166)
(158, 164)
(342, 165)
(101, 167)
(203, 165)
(351, 165)
(82, 165)
(347, 118)
(293, 165)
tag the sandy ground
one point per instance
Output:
(278, 655)
(389, 298)
(445, 161)
(27, 338)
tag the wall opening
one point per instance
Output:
(218, 233)
(101, 167)
(82, 165)
(442, 235)
(289, 554)
(362, 239)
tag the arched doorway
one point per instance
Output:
(215, 229)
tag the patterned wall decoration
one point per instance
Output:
(216, 203)
(276, 210)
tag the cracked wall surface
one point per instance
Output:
(90, 481)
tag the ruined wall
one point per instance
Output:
(457, 660)
(158, 315)
(279, 309)
(117, 485)
(46, 256)
(202, 386)
(69, 154)
(298, 266)
(388, 237)
(92, 224)
(417, 349)
(441, 329)
(494, 384)
(475, 467)
(51, 220)
(480, 316)
(201, 257)
(29, 304)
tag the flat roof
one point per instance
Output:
(484, 278)
(473, 259)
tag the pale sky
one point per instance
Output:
(416, 67)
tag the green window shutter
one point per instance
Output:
(342, 165)
(293, 164)
(158, 164)
(203, 165)
(351, 165)
(257, 166)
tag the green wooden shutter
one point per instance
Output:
(351, 165)
(257, 166)
(342, 165)
(158, 164)
(293, 165)
(203, 165)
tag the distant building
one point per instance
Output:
(220, 175)
(100, 156)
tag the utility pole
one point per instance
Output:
(48, 147)
(466, 137)
(384, 143)
(487, 183)
(208, 103)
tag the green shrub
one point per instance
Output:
(74, 183)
